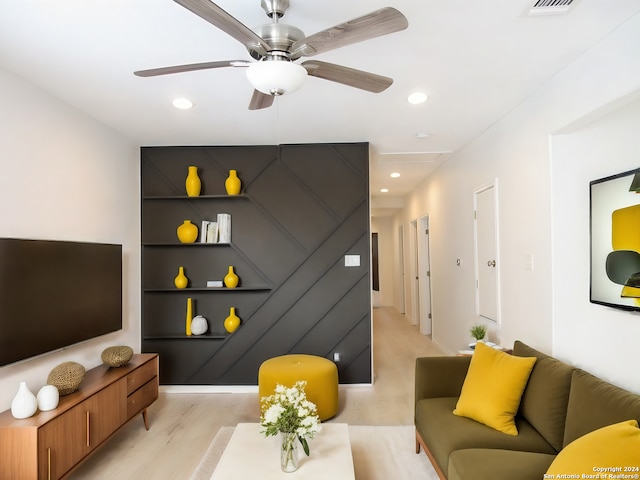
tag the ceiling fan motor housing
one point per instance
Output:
(279, 36)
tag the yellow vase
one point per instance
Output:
(232, 184)
(187, 232)
(189, 316)
(181, 281)
(193, 183)
(232, 322)
(231, 279)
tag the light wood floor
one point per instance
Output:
(183, 425)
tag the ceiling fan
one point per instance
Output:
(276, 46)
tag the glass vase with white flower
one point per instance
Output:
(288, 412)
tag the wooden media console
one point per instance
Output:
(49, 445)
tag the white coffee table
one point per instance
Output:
(249, 454)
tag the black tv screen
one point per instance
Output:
(56, 293)
(615, 240)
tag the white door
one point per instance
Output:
(415, 281)
(401, 260)
(424, 277)
(486, 233)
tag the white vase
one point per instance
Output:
(48, 398)
(24, 404)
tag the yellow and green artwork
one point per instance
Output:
(615, 240)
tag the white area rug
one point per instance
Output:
(379, 453)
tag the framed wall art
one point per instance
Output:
(615, 240)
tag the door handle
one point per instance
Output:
(491, 263)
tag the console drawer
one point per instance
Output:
(142, 398)
(140, 376)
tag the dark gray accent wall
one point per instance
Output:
(302, 209)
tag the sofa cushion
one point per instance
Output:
(545, 399)
(497, 464)
(444, 433)
(594, 403)
(493, 387)
(616, 445)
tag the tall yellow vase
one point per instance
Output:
(232, 184)
(181, 280)
(189, 316)
(231, 279)
(193, 183)
(232, 322)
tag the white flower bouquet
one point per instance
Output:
(289, 411)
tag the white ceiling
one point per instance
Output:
(476, 60)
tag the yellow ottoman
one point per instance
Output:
(320, 374)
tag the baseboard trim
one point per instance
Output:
(195, 389)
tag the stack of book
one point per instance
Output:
(218, 231)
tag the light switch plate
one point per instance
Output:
(352, 260)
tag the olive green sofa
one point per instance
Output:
(560, 403)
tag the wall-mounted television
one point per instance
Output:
(615, 240)
(54, 294)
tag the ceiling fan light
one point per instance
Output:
(276, 77)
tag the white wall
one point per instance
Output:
(516, 151)
(64, 176)
(596, 338)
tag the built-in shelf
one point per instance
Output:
(194, 244)
(207, 289)
(200, 197)
(182, 336)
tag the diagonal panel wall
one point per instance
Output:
(304, 207)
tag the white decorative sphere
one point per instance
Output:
(48, 398)
(199, 325)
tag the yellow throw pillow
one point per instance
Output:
(493, 387)
(610, 450)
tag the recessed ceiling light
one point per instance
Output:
(384, 190)
(416, 98)
(394, 175)
(182, 103)
(422, 135)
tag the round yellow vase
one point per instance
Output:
(187, 232)
(231, 279)
(232, 184)
(232, 322)
(193, 183)
(181, 281)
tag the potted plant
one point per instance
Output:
(478, 332)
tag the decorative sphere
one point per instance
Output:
(66, 377)
(116, 356)
(199, 325)
(48, 398)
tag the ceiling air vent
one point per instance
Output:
(551, 7)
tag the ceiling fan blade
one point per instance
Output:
(190, 67)
(348, 76)
(260, 100)
(375, 24)
(216, 16)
